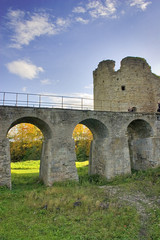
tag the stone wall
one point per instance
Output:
(133, 85)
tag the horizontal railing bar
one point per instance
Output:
(50, 104)
(21, 101)
(46, 95)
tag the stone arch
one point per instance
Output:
(140, 135)
(47, 133)
(139, 128)
(98, 128)
(97, 157)
(42, 125)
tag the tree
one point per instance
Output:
(25, 142)
(82, 137)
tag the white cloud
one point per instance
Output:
(62, 22)
(24, 69)
(79, 101)
(45, 82)
(27, 28)
(82, 20)
(14, 15)
(94, 4)
(140, 4)
(24, 89)
(71, 101)
(98, 9)
(79, 10)
(81, 95)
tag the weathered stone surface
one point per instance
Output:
(133, 85)
(5, 171)
(121, 140)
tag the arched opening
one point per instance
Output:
(89, 136)
(29, 139)
(25, 150)
(82, 137)
(140, 144)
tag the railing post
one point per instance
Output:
(62, 101)
(27, 100)
(82, 103)
(3, 98)
(16, 99)
(39, 100)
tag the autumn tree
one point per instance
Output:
(25, 142)
(82, 137)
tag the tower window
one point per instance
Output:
(123, 88)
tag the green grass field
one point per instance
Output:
(126, 208)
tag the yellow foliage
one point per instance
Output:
(82, 137)
(82, 132)
(26, 140)
(82, 164)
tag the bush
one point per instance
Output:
(82, 148)
(23, 152)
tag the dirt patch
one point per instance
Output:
(138, 200)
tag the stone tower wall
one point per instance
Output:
(133, 85)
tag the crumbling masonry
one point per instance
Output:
(133, 85)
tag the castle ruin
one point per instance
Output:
(133, 86)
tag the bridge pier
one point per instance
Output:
(144, 153)
(58, 161)
(118, 159)
(62, 165)
(5, 169)
(110, 157)
(44, 173)
(97, 157)
(156, 152)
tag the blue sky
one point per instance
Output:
(53, 46)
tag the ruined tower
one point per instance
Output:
(133, 86)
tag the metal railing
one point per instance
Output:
(45, 101)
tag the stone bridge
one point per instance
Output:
(121, 141)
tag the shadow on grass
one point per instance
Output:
(26, 181)
(25, 168)
(32, 181)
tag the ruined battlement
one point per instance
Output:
(106, 65)
(127, 63)
(135, 62)
(132, 86)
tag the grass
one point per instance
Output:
(76, 211)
